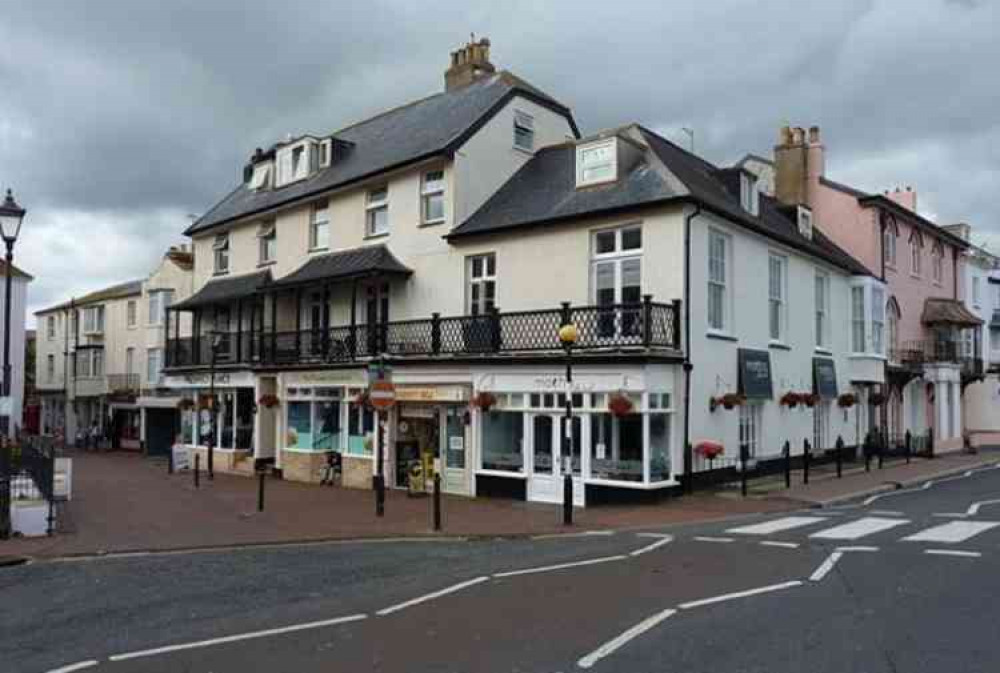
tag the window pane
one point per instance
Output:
(477, 267)
(616, 447)
(631, 277)
(542, 428)
(604, 242)
(503, 434)
(299, 425)
(327, 437)
(632, 239)
(659, 447)
(433, 207)
(604, 279)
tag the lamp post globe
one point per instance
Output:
(568, 335)
(11, 217)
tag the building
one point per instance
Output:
(920, 321)
(100, 356)
(449, 239)
(19, 294)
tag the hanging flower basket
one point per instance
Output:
(362, 400)
(810, 399)
(877, 399)
(185, 404)
(709, 450)
(206, 402)
(620, 405)
(790, 400)
(730, 400)
(268, 401)
(846, 400)
(484, 400)
(713, 403)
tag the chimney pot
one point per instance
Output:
(468, 63)
(814, 135)
(785, 135)
(798, 135)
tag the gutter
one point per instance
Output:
(688, 366)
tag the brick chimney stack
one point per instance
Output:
(907, 199)
(468, 64)
(799, 162)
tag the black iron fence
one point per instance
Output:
(27, 472)
(617, 327)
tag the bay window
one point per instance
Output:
(878, 320)
(858, 319)
(868, 316)
(93, 320)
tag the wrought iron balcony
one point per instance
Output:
(916, 354)
(610, 328)
(123, 384)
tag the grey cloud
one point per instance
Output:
(121, 116)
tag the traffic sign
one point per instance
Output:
(382, 395)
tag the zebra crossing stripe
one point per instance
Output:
(854, 530)
(777, 525)
(952, 532)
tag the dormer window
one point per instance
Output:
(261, 178)
(749, 195)
(805, 219)
(325, 150)
(596, 163)
(297, 161)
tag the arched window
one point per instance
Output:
(892, 318)
(890, 232)
(937, 261)
(916, 252)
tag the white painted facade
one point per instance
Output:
(19, 293)
(981, 399)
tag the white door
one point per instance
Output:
(455, 477)
(545, 441)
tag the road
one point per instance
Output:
(903, 582)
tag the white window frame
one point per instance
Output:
(50, 368)
(777, 297)
(430, 189)
(605, 167)
(878, 320)
(159, 301)
(220, 254)
(804, 217)
(267, 243)
(619, 256)
(325, 151)
(749, 193)
(376, 201)
(261, 177)
(858, 319)
(129, 360)
(50, 328)
(480, 305)
(750, 426)
(524, 123)
(154, 375)
(319, 216)
(821, 425)
(131, 313)
(822, 301)
(93, 320)
(721, 281)
(889, 246)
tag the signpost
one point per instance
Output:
(382, 397)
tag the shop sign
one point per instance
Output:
(432, 394)
(354, 377)
(755, 373)
(824, 378)
(199, 380)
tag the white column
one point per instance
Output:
(959, 428)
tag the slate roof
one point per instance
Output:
(948, 311)
(119, 291)
(221, 290)
(346, 264)
(544, 191)
(432, 126)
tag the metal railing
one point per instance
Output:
(612, 328)
(123, 383)
(915, 354)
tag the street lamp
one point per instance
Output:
(216, 344)
(568, 334)
(11, 216)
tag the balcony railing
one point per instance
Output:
(646, 325)
(123, 383)
(916, 354)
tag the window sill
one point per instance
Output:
(370, 237)
(268, 263)
(867, 356)
(823, 351)
(220, 273)
(777, 345)
(432, 223)
(721, 336)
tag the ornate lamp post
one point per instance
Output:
(568, 335)
(11, 217)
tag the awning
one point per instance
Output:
(939, 311)
(825, 378)
(364, 262)
(224, 290)
(755, 374)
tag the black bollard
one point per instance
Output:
(840, 456)
(805, 461)
(567, 500)
(908, 446)
(378, 481)
(437, 501)
(788, 464)
(170, 461)
(260, 491)
(197, 470)
(867, 448)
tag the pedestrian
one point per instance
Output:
(331, 470)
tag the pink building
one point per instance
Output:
(926, 334)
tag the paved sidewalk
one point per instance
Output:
(124, 502)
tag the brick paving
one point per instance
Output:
(124, 502)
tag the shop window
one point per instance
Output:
(542, 437)
(455, 438)
(360, 429)
(659, 447)
(299, 435)
(314, 424)
(503, 441)
(616, 447)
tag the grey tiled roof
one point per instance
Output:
(226, 289)
(544, 191)
(119, 291)
(346, 264)
(431, 126)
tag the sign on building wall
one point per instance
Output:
(825, 378)
(755, 373)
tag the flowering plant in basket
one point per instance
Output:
(730, 400)
(620, 405)
(877, 399)
(709, 450)
(790, 399)
(268, 401)
(846, 400)
(485, 400)
(810, 399)
(185, 403)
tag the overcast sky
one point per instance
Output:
(119, 118)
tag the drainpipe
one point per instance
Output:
(688, 366)
(954, 272)
(882, 227)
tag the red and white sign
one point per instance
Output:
(382, 395)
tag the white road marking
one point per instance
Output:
(655, 545)
(431, 596)
(868, 525)
(560, 566)
(617, 642)
(953, 552)
(975, 507)
(777, 526)
(873, 498)
(236, 638)
(714, 539)
(952, 532)
(951, 515)
(740, 594)
(826, 566)
(774, 543)
(79, 666)
(586, 533)
(857, 548)
(886, 512)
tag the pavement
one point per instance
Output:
(902, 580)
(125, 503)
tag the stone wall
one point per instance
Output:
(357, 472)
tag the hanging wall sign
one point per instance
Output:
(825, 378)
(755, 373)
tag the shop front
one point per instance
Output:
(431, 432)
(621, 435)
